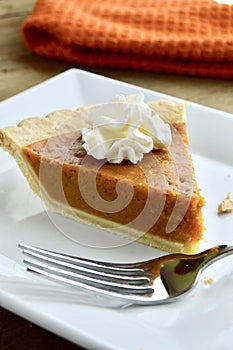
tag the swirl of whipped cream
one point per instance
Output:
(124, 129)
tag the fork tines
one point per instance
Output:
(104, 277)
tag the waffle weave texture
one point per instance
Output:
(188, 37)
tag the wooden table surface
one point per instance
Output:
(19, 70)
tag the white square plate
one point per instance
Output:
(202, 320)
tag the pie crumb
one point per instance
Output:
(208, 280)
(226, 206)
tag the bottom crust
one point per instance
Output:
(115, 228)
(123, 231)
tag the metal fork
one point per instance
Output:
(156, 281)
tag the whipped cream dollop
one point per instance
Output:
(124, 129)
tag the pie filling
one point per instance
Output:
(157, 197)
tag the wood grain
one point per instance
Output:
(19, 70)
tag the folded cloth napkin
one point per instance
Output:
(193, 37)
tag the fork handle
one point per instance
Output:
(216, 253)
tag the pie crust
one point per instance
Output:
(158, 204)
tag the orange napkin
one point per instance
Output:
(193, 37)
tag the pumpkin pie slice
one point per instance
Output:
(155, 201)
